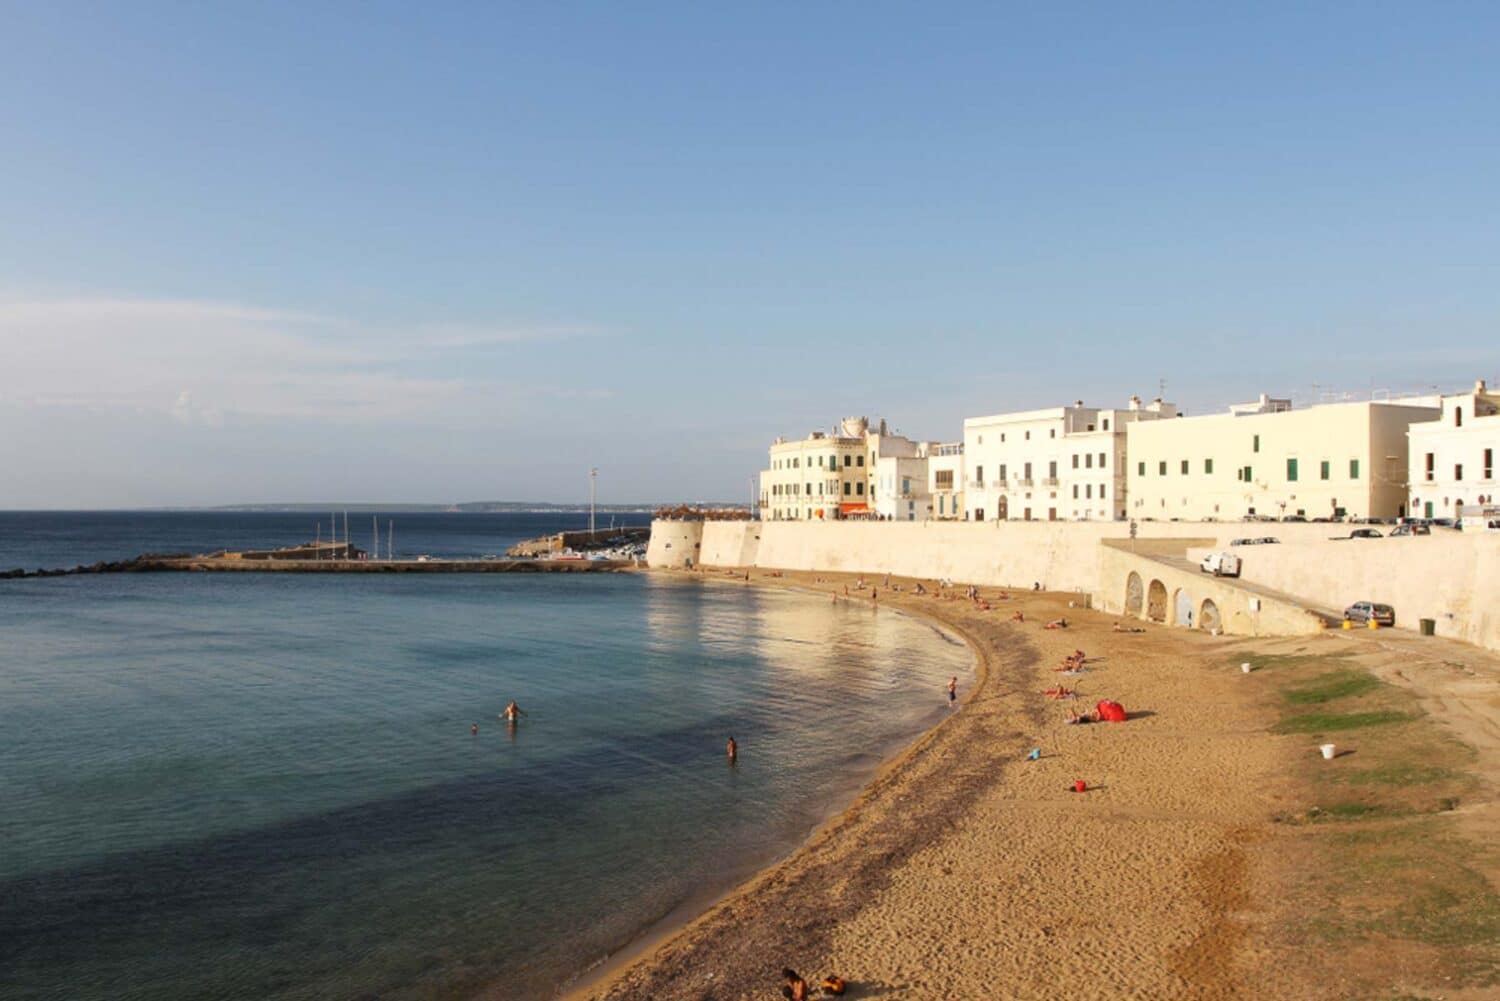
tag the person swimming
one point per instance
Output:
(733, 750)
(512, 712)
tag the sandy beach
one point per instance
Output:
(1191, 867)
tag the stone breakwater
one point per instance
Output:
(212, 564)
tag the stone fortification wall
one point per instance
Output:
(674, 543)
(1450, 578)
(731, 543)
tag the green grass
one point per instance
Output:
(1284, 661)
(1401, 773)
(1339, 685)
(1339, 722)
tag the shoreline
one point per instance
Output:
(689, 920)
(682, 918)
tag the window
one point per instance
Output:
(1323, 468)
(1075, 462)
(1489, 463)
(1353, 469)
(1208, 465)
(1002, 439)
(1028, 471)
(1001, 477)
(1075, 491)
(1140, 469)
(944, 479)
(905, 485)
(1184, 467)
(1101, 491)
(1052, 469)
(1458, 417)
(1101, 460)
(1291, 470)
(1106, 423)
(847, 486)
(1458, 470)
(1088, 491)
(859, 488)
(1161, 468)
(1255, 445)
(847, 460)
(1052, 433)
(1249, 476)
(859, 460)
(1028, 435)
(1430, 464)
(1088, 461)
(979, 475)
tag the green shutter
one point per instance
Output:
(1353, 469)
(1291, 470)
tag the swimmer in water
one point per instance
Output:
(512, 712)
(473, 727)
(733, 750)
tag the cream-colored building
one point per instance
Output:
(1266, 459)
(945, 480)
(1452, 458)
(1058, 464)
(854, 471)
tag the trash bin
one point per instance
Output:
(1428, 627)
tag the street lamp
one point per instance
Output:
(593, 489)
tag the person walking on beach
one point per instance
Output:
(952, 690)
(733, 750)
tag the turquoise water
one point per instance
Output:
(247, 786)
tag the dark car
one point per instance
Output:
(1294, 517)
(1411, 529)
(1364, 611)
(1364, 533)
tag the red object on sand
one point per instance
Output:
(1080, 786)
(1111, 712)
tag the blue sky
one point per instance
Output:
(390, 252)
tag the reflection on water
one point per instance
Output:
(255, 786)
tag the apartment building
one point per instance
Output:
(1267, 459)
(945, 480)
(1452, 458)
(854, 471)
(1061, 463)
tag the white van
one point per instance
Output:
(1221, 564)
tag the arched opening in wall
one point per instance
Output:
(1182, 608)
(1135, 594)
(1208, 616)
(1156, 602)
(1002, 512)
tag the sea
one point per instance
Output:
(266, 785)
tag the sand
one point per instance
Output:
(967, 871)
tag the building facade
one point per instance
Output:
(945, 480)
(855, 471)
(1266, 459)
(1452, 458)
(1062, 463)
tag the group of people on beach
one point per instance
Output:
(795, 988)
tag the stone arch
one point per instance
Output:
(1208, 617)
(1182, 608)
(1135, 594)
(1156, 602)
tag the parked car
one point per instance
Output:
(1243, 542)
(1364, 611)
(1412, 529)
(1267, 540)
(1221, 564)
(1294, 517)
(1364, 533)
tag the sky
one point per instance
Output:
(442, 252)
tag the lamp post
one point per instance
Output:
(593, 485)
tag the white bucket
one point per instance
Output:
(1328, 750)
(1245, 668)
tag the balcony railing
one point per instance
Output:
(1049, 481)
(1024, 481)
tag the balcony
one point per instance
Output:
(1024, 481)
(976, 484)
(1049, 481)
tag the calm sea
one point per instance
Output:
(248, 786)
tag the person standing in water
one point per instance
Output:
(512, 712)
(733, 750)
(952, 690)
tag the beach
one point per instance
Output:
(1192, 866)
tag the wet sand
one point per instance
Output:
(965, 870)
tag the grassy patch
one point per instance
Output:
(1339, 685)
(1288, 661)
(1339, 722)
(1401, 773)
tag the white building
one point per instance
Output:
(854, 471)
(1452, 459)
(1264, 459)
(1062, 463)
(945, 480)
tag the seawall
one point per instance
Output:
(1286, 589)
